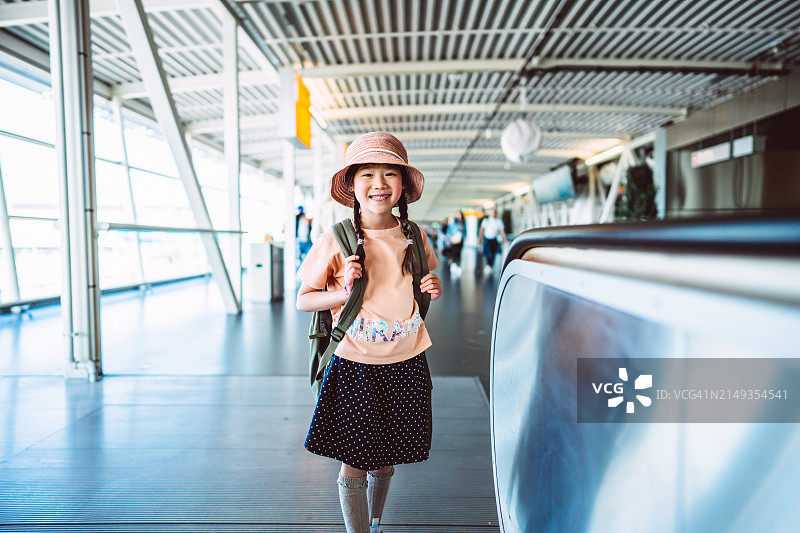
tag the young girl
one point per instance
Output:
(374, 407)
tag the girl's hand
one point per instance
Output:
(431, 284)
(352, 271)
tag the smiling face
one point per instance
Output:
(377, 187)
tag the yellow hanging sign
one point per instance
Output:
(303, 113)
(295, 113)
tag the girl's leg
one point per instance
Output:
(377, 490)
(353, 498)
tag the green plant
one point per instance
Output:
(638, 202)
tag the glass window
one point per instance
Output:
(30, 177)
(119, 260)
(274, 190)
(225, 244)
(276, 207)
(254, 218)
(38, 257)
(160, 201)
(211, 169)
(107, 143)
(217, 205)
(252, 183)
(5, 278)
(148, 151)
(172, 255)
(32, 114)
(113, 204)
(275, 220)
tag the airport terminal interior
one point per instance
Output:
(624, 355)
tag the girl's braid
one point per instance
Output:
(409, 260)
(359, 233)
(349, 177)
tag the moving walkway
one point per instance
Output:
(584, 441)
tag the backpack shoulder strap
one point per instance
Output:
(423, 298)
(346, 237)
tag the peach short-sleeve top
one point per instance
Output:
(388, 328)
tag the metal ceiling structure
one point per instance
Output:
(447, 76)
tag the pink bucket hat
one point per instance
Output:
(376, 147)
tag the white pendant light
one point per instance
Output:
(521, 140)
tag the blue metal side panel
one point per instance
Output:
(553, 474)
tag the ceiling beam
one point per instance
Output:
(569, 32)
(35, 11)
(464, 194)
(543, 152)
(22, 13)
(471, 190)
(477, 175)
(277, 146)
(245, 122)
(470, 134)
(184, 84)
(656, 65)
(412, 67)
(260, 121)
(466, 109)
(485, 165)
(544, 65)
(259, 147)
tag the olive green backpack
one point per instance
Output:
(324, 338)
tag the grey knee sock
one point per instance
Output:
(377, 490)
(353, 497)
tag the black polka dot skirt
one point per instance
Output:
(373, 416)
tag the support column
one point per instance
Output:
(601, 193)
(71, 70)
(233, 149)
(594, 177)
(607, 215)
(117, 101)
(317, 149)
(551, 213)
(471, 228)
(660, 170)
(5, 242)
(536, 218)
(141, 40)
(290, 245)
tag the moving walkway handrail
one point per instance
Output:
(751, 235)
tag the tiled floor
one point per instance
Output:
(199, 422)
(211, 453)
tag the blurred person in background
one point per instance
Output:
(455, 236)
(492, 230)
(302, 228)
